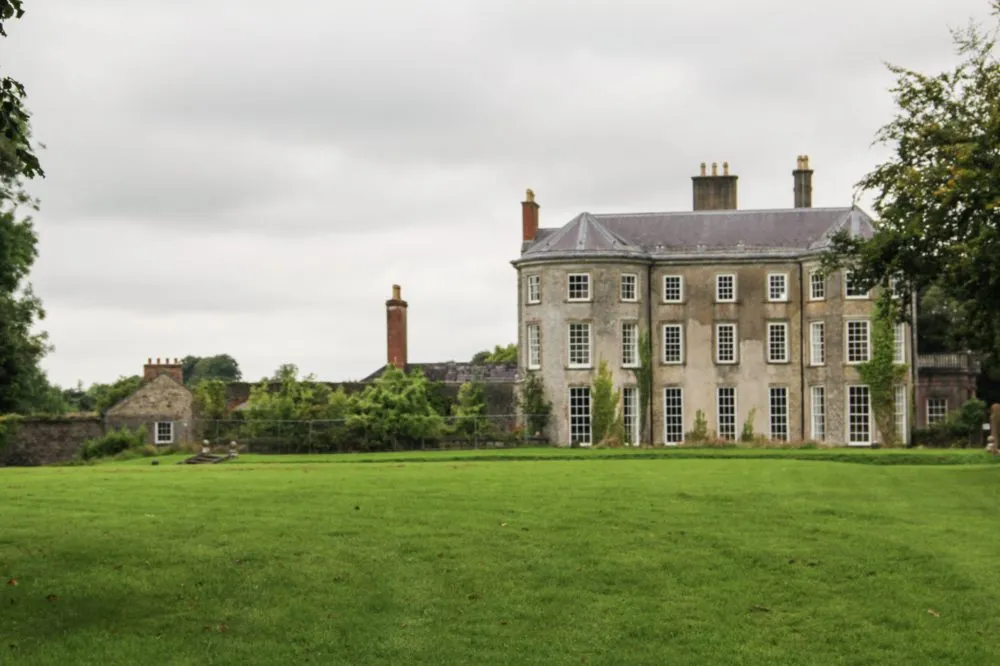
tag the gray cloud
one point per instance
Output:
(225, 176)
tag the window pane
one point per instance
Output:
(777, 287)
(777, 342)
(725, 288)
(818, 412)
(857, 341)
(817, 343)
(672, 343)
(630, 344)
(779, 413)
(937, 410)
(579, 415)
(817, 286)
(859, 415)
(673, 415)
(629, 414)
(725, 343)
(672, 288)
(579, 344)
(579, 287)
(726, 398)
(628, 288)
(534, 346)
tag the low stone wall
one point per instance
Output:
(33, 441)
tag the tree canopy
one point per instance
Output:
(200, 368)
(499, 354)
(937, 197)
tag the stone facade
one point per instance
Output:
(162, 400)
(695, 249)
(45, 441)
(947, 379)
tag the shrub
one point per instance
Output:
(747, 434)
(113, 443)
(700, 433)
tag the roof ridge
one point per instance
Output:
(733, 211)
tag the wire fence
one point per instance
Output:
(360, 434)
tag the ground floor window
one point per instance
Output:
(900, 414)
(579, 415)
(937, 410)
(859, 424)
(164, 432)
(630, 413)
(779, 413)
(726, 399)
(673, 415)
(817, 400)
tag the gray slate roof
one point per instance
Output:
(454, 372)
(749, 233)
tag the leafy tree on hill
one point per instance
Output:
(221, 366)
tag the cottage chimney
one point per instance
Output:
(174, 369)
(529, 217)
(714, 192)
(803, 176)
(395, 315)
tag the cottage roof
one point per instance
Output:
(160, 397)
(454, 372)
(741, 233)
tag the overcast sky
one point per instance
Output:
(250, 177)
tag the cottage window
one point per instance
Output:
(164, 432)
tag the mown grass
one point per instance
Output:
(631, 561)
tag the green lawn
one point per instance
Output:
(663, 560)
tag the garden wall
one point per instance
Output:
(33, 441)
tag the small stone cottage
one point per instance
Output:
(162, 403)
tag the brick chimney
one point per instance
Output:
(803, 176)
(529, 217)
(714, 192)
(152, 370)
(395, 317)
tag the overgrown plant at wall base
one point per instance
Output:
(644, 381)
(747, 435)
(468, 410)
(536, 408)
(700, 432)
(881, 374)
(606, 427)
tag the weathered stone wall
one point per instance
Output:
(43, 441)
(955, 387)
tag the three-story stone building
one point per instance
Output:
(744, 327)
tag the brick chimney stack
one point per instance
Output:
(395, 316)
(529, 217)
(803, 177)
(152, 370)
(714, 192)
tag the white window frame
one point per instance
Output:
(632, 346)
(587, 438)
(634, 279)
(668, 390)
(771, 414)
(534, 295)
(813, 274)
(783, 296)
(534, 335)
(938, 418)
(847, 416)
(900, 413)
(569, 288)
(899, 343)
(680, 289)
(569, 345)
(847, 340)
(770, 354)
(717, 285)
(731, 390)
(169, 437)
(630, 414)
(817, 417)
(718, 344)
(848, 296)
(680, 344)
(817, 347)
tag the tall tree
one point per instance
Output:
(221, 366)
(21, 349)
(937, 196)
(499, 354)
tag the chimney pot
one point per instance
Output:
(802, 182)
(715, 169)
(703, 169)
(396, 292)
(395, 316)
(725, 168)
(715, 192)
(529, 216)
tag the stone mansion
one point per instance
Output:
(742, 324)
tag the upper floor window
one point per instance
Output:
(629, 290)
(725, 343)
(817, 343)
(534, 289)
(858, 341)
(725, 288)
(534, 347)
(899, 343)
(579, 287)
(673, 288)
(579, 345)
(630, 344)
(673, 343)
(777, 342)
(817, 286)
(777, 287)
(852, 287)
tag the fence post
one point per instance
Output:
(309, 437)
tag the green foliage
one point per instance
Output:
(644, 382)
(114, 442)
(606, 427)
(440, 399)
(499, 354)
(880, 373)
(222, 367)
(938, 194)
(395, 412)
(210, 399)
(536, 408)
(469, 410)
(747, 434)
(961, 428)
(700, 432)
(8, 428)
(106, 396)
